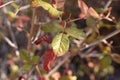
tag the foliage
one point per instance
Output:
(50, 41)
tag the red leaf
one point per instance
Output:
(1, 2)
(46, 38)
(49, 56)
(24, 17)
(21, 78)
(83, 7)
(53, 1)
(19, 23)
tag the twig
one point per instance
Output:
(107, 4)
(31, 30)
(22, 8)
(6, 4)
(8, 41)
(74, 20)
(101, 39)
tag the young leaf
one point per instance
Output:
(60, 44)
(83, 7)
(24, 56)
(46, 6)
(47, 58)
(93, 13)
(52, 26)
(75, 32)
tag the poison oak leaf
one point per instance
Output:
(1, 2)
(84, 9)
(24, 18)
(46, 38)
(48, 57)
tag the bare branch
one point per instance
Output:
(101, 39)
(6, 4)
(8, 41)
(22, 8)
(108, 4)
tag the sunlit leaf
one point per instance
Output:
(60, 44)
(72, 78)
(46, 6)
(11, 14)
(26, 67)
(116, 58)
(52, 26)
(91, 22)
(75, 32)
(24, 55)
(105, 62)
(49, 56)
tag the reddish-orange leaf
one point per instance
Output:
(53, 1)
(83, 7)
(46, 38)
(1, 2)
(24, 17)
(49, 56)
(19, 25)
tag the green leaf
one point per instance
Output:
(15, 5)
(91, 22)
(52, 26)
(26, 67)
(60, 44)
(24, 55)
(72, 78)
(118, 25)
(53, 11)
(116, 58)
(75, 32)
(64, 78)
(35, 59)
(105, 62)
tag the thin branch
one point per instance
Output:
(8, 41)
(101, 39)
(108, 4)
(74, 20)
(22, 8)
(31, 30)
(6, 4)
